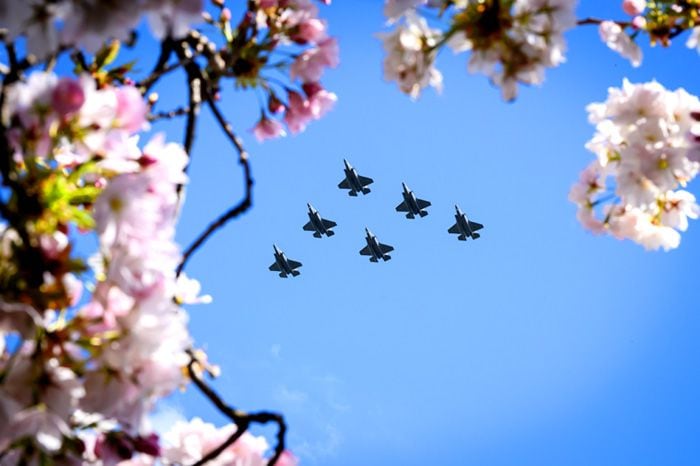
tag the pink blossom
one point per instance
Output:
(320, 100)
(67, 97)
(639, 22)
(298, 112)
(131, 109)
(312, 30)
(268, 128)
(309, 66)
(634, 7)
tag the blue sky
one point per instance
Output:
(538, 344)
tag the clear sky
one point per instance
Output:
(538, 344)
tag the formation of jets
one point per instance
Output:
(355, 183)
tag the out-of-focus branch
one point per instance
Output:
(240, 418)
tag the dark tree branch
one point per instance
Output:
(240, 418)
(597, 21)
(247, 200)
(160, 68)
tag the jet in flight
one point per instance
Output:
(283, 265)
(320, 226)
(412, 204)
(464, 227)
(375, 249)
(354, 182)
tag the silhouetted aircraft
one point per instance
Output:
(283, 265)
(411, 204)
(464, 227)
(375, 249)
(318, 225)
(354, 182)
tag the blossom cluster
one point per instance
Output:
(287, 23)
(102, 365)
(660, 20)
(50, 24)
(511, 41)
(645, 155)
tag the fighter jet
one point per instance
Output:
(354, 182)
(318, 225)
(412, 204)
(283, 265)
(375, 249)
(464, 227)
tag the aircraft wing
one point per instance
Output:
(385, 248)
(293, 264)
(403, 207)
(454, 229)
(275, 267)
(344, 184)
(422, 204)
(364, 181)
(475, 226)
(328, 223)
(366, 251)
(309, 227)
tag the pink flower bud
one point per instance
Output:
(634, 7)
(225, 15)
(148, 445)
(311, 89)
(67, 97)
(639, 22)
(275, 105)
(268, 129)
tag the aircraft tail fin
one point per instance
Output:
(317, 235)
(373, 259)
(366, 190)
(476, 235)
(423, 213)
(295, 273)
(283, 275)
(386, 257)
(462, 237)
(352, 193)
(410, 215)
(330, 232)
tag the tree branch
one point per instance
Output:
(240, 418)
(237, 209)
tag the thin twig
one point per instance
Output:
(169, 114)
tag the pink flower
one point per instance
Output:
(309, 65)
(639, 22)
(131, 109)
(267, 128)
(298, 113)
(320, 100)
(67, 97)
(311, 30)
(634, 7)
